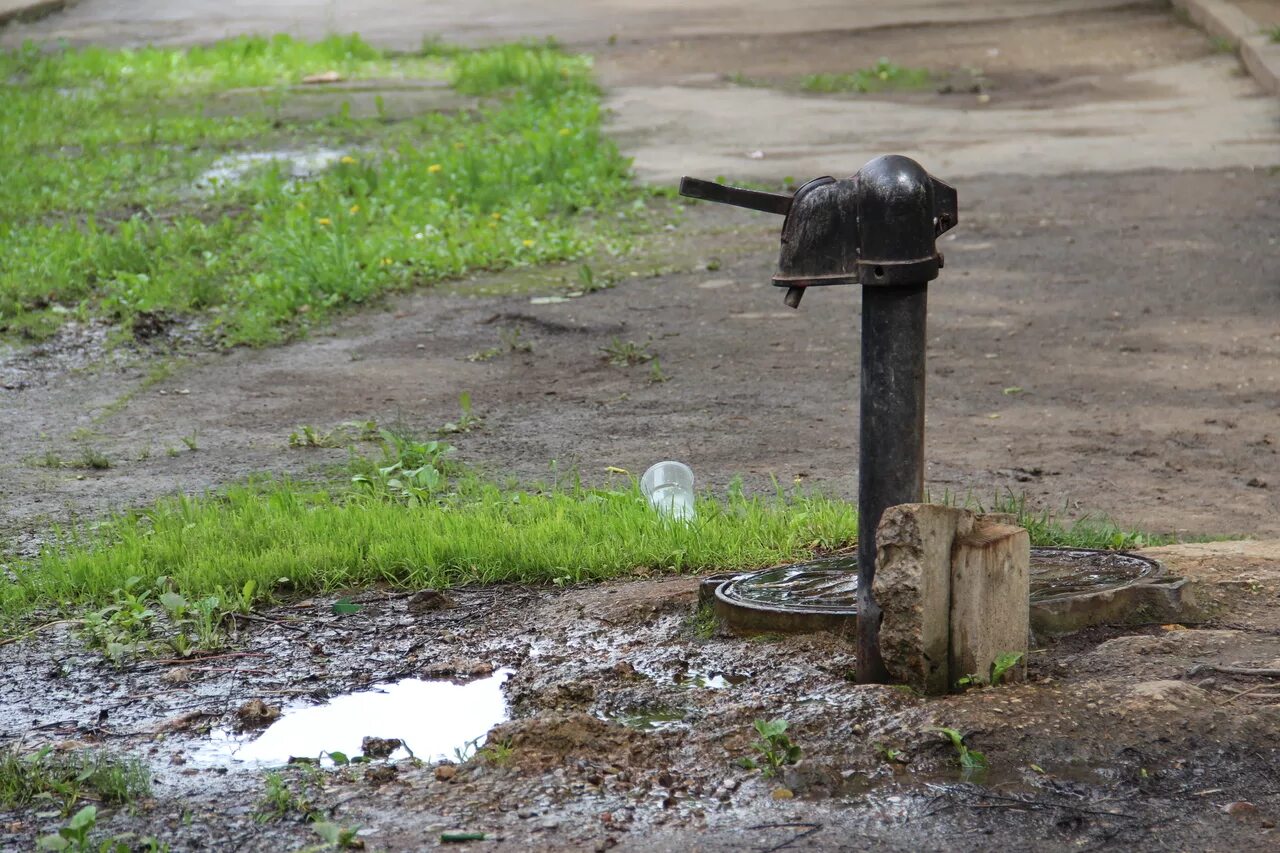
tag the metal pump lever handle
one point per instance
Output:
(750, 199)
(738, 197)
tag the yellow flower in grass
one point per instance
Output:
(528, 244)
(564, 131)
(347, 160)
(355, 208)
(435, 169)
(458, 146)
(386, 262)
(496, 216)
(324, 220)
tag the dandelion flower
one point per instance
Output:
(347, 160)
(564, 131)
(324, 220)
(435, 168)
(528, 244)
(496, 216)
(386, 262)
(355, 208)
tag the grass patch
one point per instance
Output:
(1223, 45)
(104, 148)
(166, 577)
(412, 520)
(65, 779)
(882, 76)
(1048, 529)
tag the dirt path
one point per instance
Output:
(1135, 313)
(1148, 362)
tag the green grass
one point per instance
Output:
(280, 536)
(1223, 45)
(103, 148)
(1275, 34)
(415, 519)
(1048, 529)
(66, 778)
(882, 76)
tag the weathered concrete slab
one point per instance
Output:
(913, 588)
(990, 599)
(26, 10)
(954, 589)
(1258, 53)
(403, 23)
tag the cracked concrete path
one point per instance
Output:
(403, 23)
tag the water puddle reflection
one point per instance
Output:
(658, 720)
(434, 719)
(709, 678)
(297, 164)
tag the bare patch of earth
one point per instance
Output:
(1045, 62)
(626, 725)
(1092, 345)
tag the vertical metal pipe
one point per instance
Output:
(891, 437)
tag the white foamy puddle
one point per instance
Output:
(300, 164)
(435, 719)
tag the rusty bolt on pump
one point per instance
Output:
(877, 228)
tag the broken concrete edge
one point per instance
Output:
(29, 10)
(913, 588)
(1162, 600)
(1259, 54)
(954, 593)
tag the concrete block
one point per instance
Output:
(990, 610)
(913, 588)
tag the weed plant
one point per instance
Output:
(105, 214)
(1048, 529)
(66, 778)
(773, 748)
(879, 77)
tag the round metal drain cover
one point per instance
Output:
(822, 594)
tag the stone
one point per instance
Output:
(255, 714)
(990, 599)
(428, 600)
(913, 588)
(378, 747)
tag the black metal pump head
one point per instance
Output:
(877, 227)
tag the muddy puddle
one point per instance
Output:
(618, 721)
(299, 164)
(431, 720)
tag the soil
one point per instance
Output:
(1092, 348)
(1102, 343)
(627, 723)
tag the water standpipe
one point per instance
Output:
(877, 228)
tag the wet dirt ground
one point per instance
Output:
(627, 720)
(1103, 343)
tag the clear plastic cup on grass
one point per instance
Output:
(669, 488)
